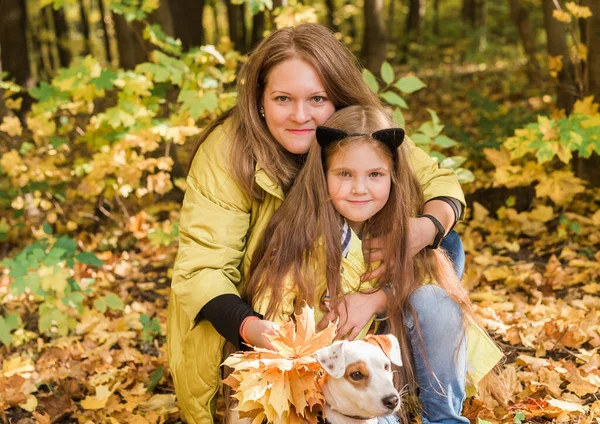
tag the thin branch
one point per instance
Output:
(123, 207)
(104, 211)
(90, 216)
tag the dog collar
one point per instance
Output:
(354, 417)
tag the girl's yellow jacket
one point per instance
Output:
(220, 226)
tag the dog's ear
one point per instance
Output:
(332, 359)
(389, 344)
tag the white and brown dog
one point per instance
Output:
(358, 385)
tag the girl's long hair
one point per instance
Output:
(252, 142)
(306, 230)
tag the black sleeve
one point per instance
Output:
(456, 206)
(226, 313)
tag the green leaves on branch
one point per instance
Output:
(7, 325)
(160, 236)
(88, 258)
(164, 69)
(46, 270)
(428, 136)
(197, 103)
(111, 301)
(393, 99)
(256, 5)
(371, 81)
(409, 84)
(548, 138)
(151, 328)
(133, 10)
(93, 134)
(155, 34)
(540, 155)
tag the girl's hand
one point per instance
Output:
(256, 330)
(354, 311)
(421, 234)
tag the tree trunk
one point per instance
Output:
(589, 169)
(520, 16)
(133, 49)
(330, 6)
(188, 14)
(353, 24)
(84, 28)
(47, 17)
(482, 23)
(131, 46)
(436, 17)
(237, 25)
(390, 21)
(162, 16)
(374, 37)
(276, 4)
(258, 28)
(593, 44)
(104, 26)
(415, 18)
(215, 16)
(62, 37)
(567, 91)
(469, 12)
(13, 41)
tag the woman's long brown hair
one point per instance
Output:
(305, 232)
(252, 142)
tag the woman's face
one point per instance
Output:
(295, 103)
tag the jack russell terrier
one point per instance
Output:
(358, 385)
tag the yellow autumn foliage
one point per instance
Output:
(282, 386)
(555, 65)
(560, 187)
(579, 12)
(561, 16)
(12, 126)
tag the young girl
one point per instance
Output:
(357, 183)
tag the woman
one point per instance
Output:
(245, 163)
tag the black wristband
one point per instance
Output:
(441, 231)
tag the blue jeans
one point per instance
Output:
(442, 377)
(454, 247)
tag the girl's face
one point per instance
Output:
(295, 103)
(359, 182)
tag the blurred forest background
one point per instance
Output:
(100, 101)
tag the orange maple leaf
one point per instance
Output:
(281, 385)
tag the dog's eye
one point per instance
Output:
(357, 376)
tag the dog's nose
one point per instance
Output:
(391, 401)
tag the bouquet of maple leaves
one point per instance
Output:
(281, 385)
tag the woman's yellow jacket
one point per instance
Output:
(220, 226)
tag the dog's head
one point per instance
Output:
(359, 380)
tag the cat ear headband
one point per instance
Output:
(391, 137)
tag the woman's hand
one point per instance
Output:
(421, 234)
(256, 330)
(354, 311)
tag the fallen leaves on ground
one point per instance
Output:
(535, 282)
(107, 371)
